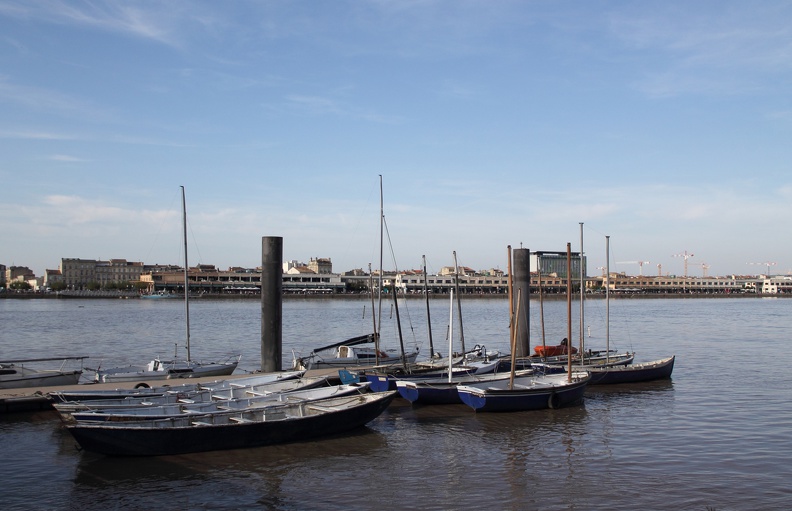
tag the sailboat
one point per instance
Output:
(16, 374)
(550, 362)
(478, 361)
(159, 369)
(626, 373)
(521, 393)
(440, 388)
(387, 361)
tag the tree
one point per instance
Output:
(57, 286)
(20, 285)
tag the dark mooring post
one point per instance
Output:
(522, 287)
(271, 303)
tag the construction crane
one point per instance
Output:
(686, 256)
(603, 269)
(704, 268)
(768, 264)
(639, 263)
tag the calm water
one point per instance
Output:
(715, 437)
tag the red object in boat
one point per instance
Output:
(553, 351)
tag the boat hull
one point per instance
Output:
(41, 379)
(141, 373)
(587, 365)
(441, 391)
(436, 393)
(633, 373)
(498, 397)
(386, 382)
(160, 439)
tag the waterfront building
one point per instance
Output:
(207, 279)
(77, 273)
(20, 273)
(52, 277)
(555, 263)
(778, 285)
(620, 283)
(321, 265)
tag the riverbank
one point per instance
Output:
(294, 296)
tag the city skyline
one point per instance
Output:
(599, 271)
(664, 126)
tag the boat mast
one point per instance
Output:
(541, 300)
(428, 318)
(582, 293)
(398, 326)
(379, 287)
(450, 335)
(459, 305)
(607, 299)
(569, 311)
(186, 274)
(371, 294)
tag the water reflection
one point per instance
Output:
(243, 477)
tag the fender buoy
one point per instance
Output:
(142, 386)
(553, 401)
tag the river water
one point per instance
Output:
(714, 437)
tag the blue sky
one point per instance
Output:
(665, 125)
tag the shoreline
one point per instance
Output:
(93, 295)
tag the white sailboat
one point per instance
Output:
(16, 374)
(626, 373)
(159, 369)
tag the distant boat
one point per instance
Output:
(159, 369)
(16, 374)
(159, 294)
(163, 369)
(232, 430)
(360, 351)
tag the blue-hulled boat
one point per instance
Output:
(526, 393)
(443, 391)
(383, 381)
(633, 373)
(232, 430)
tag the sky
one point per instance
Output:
(666, 126)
